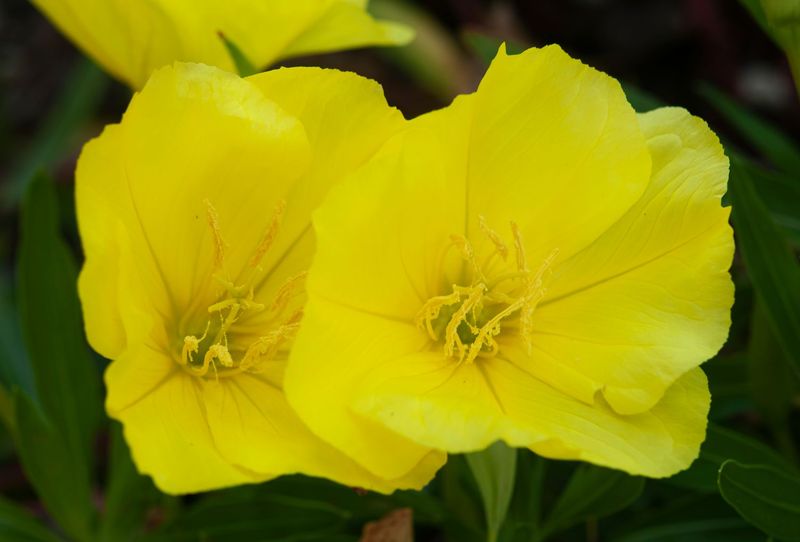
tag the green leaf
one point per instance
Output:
(129, 495)
(770, 142)
(766, 497)
(19, 525)
(685, 518)
(722, 445)
(592, 493)
(15, 369)
(243, 65)
(780, 193)
(524, 514)
(61, 481)
(770, 262)
(773, 384)
(701, 530)
(256, 514)
(66, 376)
(494, 470)
(82, 94)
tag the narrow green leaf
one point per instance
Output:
(780, 193)
(774, 145)
(770, 262)
(701, 530)
(15, 369)
(773, 383)
(18, 525)
(494, 470)
(592, 493)
(766, 497)
(82, 94)
(462, 500)
(128, 495)
(61, 482)
(65, 374)
(685, 517)
(722, 444)
(243, 65)
(524, 514)
(256, 514)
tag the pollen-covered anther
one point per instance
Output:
(212, 350)
(468, 320)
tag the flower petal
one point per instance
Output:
(254, 427)
(395, 217)
(320, 387)
(346, 119)
(346, 25)
(555, 147)
(169, 437)
(197, 138)
(465, 408)
(133, 39)
(651, 298)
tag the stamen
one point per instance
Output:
(468, 254)
(219, 242)
(500, 246)
(522, 262)
(481, 310)
(430, 311)
(534, 293)
(237, 301)
(269, 235)
(286, 292)
(451, 339)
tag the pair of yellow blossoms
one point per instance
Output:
(290, 277)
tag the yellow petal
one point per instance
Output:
(335, 348)
(651, 298)
(167, 431)
(346, 25)
(346, 119)
(657, 443)
(254, 427)
(466, 408)
(100, 171)
(555, 147)
(395, 217)
(133, 39)
(198, 140)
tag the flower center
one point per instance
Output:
(212, 350)
(468, 320)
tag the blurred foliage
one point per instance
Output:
(67, 473)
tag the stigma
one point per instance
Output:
(467, 320)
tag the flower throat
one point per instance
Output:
(211, 350)
(468, 320)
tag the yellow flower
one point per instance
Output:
(535, 263)
(132, 38)
(195, 217)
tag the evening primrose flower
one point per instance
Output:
(535, 263)
(131, 38)
(194, 214)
